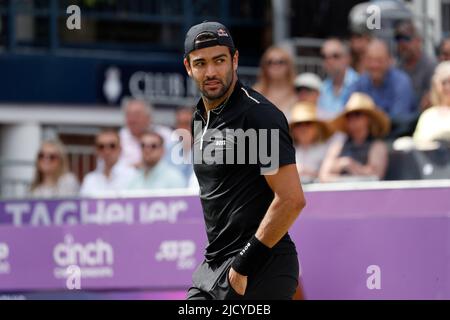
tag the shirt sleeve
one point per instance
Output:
(275, 148)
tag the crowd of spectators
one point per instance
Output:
(341, 125)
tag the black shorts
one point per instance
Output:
(277, 279)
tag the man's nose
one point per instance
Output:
(211, 71)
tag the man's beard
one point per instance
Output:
(225, 86)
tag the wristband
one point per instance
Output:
(249, 259)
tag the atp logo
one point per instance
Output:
(179, 251)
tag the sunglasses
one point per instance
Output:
(402, 38)
(276, 62)
(48, 156)
(103, 146)
(151, 146)
(445, 82)
(304, 89)
(334, 56)
(354, 114)
(304, 124)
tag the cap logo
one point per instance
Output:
(222, 33)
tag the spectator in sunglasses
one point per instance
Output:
(139, 119)
(154, 172)
(390, 88)
(276, 79)
(414, 61)
(363, 155)
(111, 176)
(52, 177)
(434, 123)
(340, 78)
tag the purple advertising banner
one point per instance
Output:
(146, 210)
(367, 244)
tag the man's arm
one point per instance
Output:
(285, 208)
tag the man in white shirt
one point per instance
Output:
(138, 117)
(112, 176)
(155, 173)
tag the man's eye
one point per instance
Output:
(220, 60)
(199, 64)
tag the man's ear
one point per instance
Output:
(236, 60)
(188, 67)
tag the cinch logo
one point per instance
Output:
(4, 254)
(95, 259)
(179, 251)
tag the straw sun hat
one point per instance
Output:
(306, 112)
(359, 102)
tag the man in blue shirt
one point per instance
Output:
(390, 88)
(336, 88)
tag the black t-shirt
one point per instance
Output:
(234, 193)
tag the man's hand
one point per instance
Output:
(237, 281)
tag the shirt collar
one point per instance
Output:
(200, 108)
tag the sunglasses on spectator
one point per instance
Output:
(103, 146)
(304, 89)
(403, 38)
(445, 82)
(276, 62)
(354, 114)
(48, 156)
(151, 146)
(304, 124)
(334, 56)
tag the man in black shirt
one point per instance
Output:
(250, 190)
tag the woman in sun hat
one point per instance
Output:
(362, 155)
(310, 135)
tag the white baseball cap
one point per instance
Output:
(308, 80)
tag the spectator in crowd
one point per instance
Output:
(444, 50)
(390, 88)
(362, 156)
(52, 177)
(434, 123)
(276, 78)
(359, 41)
(138, 116)
(414, 61)
(112, 176)
(340, 78)
(180, 155)
(310, 136)
(307, 86)
(154, 172)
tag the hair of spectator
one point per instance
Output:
(154, 134)
(111, 131)
(409, 27)
(342, 43)
(126, 101)
(64, 162)
(377, 42)
(441, 72)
